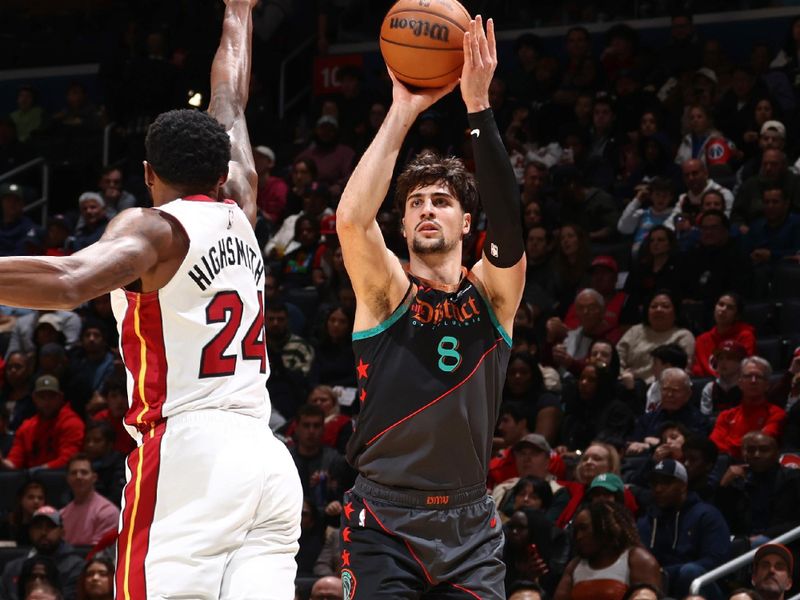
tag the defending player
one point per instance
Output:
(213, 501)
(432, 347)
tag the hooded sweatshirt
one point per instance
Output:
(694, 533)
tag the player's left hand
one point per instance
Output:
(480, 61)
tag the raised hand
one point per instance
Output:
(480, 61)
(417, 99)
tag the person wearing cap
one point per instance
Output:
(759, 498)
(770, 136)
(272, 190)
(93, 214)
(773, 565)
(606, 487)
(774, 169)
(334, 160)
(22, 336)
(728, 327)
(49, 438)
(776, 235)
(15, 225)
(724, 393)
(755, 413)
(47, 537)
(651, 206)
(603, 275)
(687, 536)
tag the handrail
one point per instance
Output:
(739, 562)
(42, 201)
(107, 142)
(283, 105)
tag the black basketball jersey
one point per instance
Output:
(430, 381)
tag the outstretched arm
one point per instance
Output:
(502, 267)
(378, 278)
(230, 85)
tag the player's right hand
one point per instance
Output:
(417, 100)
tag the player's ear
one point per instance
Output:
(149, 174)
(467, 223)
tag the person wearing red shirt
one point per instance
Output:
(48, 439)
(272, 190)
(727, 315)
(754, 413)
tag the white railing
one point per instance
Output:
(739, 562)
(285, 104)
(40, 202)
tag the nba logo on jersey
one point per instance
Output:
(362, 518)
(494, 251)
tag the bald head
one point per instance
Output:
(695, 175)
(327, 588)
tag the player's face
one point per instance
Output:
(434, 221)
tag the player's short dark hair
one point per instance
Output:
(189, 149)
(429, 168)
(707, 449)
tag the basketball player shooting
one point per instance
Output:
(432, 347)
(213, 501)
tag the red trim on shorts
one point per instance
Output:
(137, 515)
(405, 541)
(432, 402)
(465, 590)
(144, 354)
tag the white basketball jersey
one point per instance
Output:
(198, 342)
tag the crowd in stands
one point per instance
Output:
(650, 429)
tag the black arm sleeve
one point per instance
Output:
(498, 191)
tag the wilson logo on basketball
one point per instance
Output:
(421, 28)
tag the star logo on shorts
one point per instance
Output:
(345, 558)
(348, 510)
(346, 534)
(362, 369)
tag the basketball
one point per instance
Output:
(421, 41)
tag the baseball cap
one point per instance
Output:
(731, 348)
(265, 151)
(328, 120)
(605, 261)
(49, 513)
(327, 226)
(51, 319)
(46, 383)
(533, 439)
(707, 73)
(778, 549)
(608, 481)
(12, 189)
(671, 468)
(775, 126)
(86, 196)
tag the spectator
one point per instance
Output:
(590, 207)
(651, 206)
(704, 142)
(312, 535)
(643, 591)
(332, 588)
(294, 354)
(603, 275)
(301, 175)
(697, 181)
(36, 571)
(728, 327)
(107, 463)
(272, 190)
(699, 458)
(91, 366)
(748, 205)
(535, 550)
(610, 557)
(580, 70)
(664, 357)
(110, 187)
(47, 536)
(676, 391)
(43, 591)
(334, 160)
(49, 438)
(300, 266)
(525, 590)
(54, 240)
(89, 516)
(94, 217)
(658, 328)
(539, 274)
(333, 356)
(525, 386)
(654, 269)
(776, 235)
(570, 263)
(735, 108)
(97, 580)
(29, 118)
(15, 225)
(760, 497)
(31, 496)
(687, 536)
(22, 337)
(316, 198)
(705, 269)
(770, 135)
(773, 565)
(15, 394)
(724, 393)
(754, 413)
(515, 423)
(116, 399)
